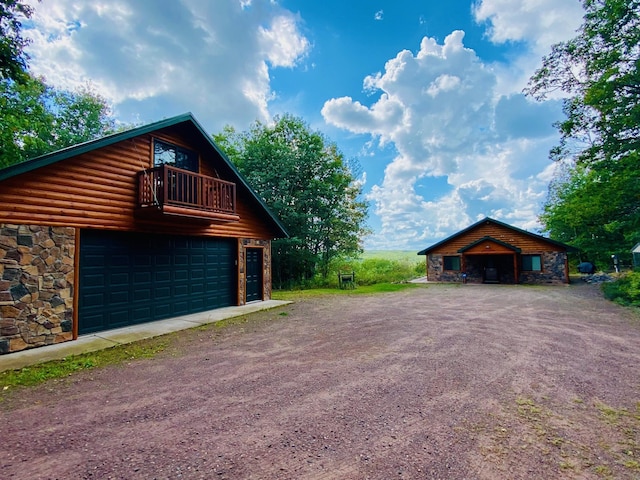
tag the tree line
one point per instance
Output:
(594, 199)
(302, 176)
(593, 202)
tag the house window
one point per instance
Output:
(452, 263)
(167, 154)
(531, 263)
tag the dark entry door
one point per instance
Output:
(254, 274)
(491, 271)
(128, 278)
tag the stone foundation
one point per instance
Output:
(436, 273)
(553, 271)
(36, 286)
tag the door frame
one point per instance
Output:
(260, 271)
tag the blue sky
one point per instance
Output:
(426, 95)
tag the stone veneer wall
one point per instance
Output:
(36, 286)
(435, 273)
(265, 245)
(553, 270)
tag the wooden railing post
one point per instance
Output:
(174, 186)
(165, 183)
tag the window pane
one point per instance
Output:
(531, 263)
(452, 263)
(186, 160)
(167, 154)
(163, 153)
(535, 262)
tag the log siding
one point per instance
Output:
(94, 186)
(490, 243)
(98, 190)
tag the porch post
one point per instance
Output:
(515, 268)
(463, 267)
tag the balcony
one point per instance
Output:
(172, 191)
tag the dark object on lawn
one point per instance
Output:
(586, 267)
(347, 280)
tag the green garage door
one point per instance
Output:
(129, 278)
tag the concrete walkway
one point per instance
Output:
(120, 336)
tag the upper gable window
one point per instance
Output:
(167, 154)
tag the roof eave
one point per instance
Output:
(568, 248)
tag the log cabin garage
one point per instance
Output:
(139, 226)
(490, 251)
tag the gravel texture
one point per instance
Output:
(440, 381)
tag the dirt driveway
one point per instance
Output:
(486, 382)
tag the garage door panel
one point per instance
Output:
(117, 319)
(196, 274)
(119, 279)
(160, 293)
(162, 276)
(143, 260)
(142, 277)
(181, 275)
(121, 296)
(198, 305)
(128, 278)
(94, 299)
(162, 310)
(181, 307)
(119, 260)
(181, 290)
(94, 280)
(142, 294)
(140, 314)
(94, 260)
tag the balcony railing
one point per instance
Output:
(174, 191)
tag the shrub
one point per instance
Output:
(625, 290)
(371, 271)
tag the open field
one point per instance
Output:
(408, 256)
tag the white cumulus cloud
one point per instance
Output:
(438, 107)
(540, 23)
(157, 58)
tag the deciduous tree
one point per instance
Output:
(599, 71)
(304, 179)
(36, 119)
(13, 61)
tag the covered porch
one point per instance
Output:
(489, 260)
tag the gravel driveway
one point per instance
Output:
(474, 381)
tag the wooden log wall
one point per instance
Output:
(528, 243)
(98, 190)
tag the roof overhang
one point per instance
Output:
(559, 245)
